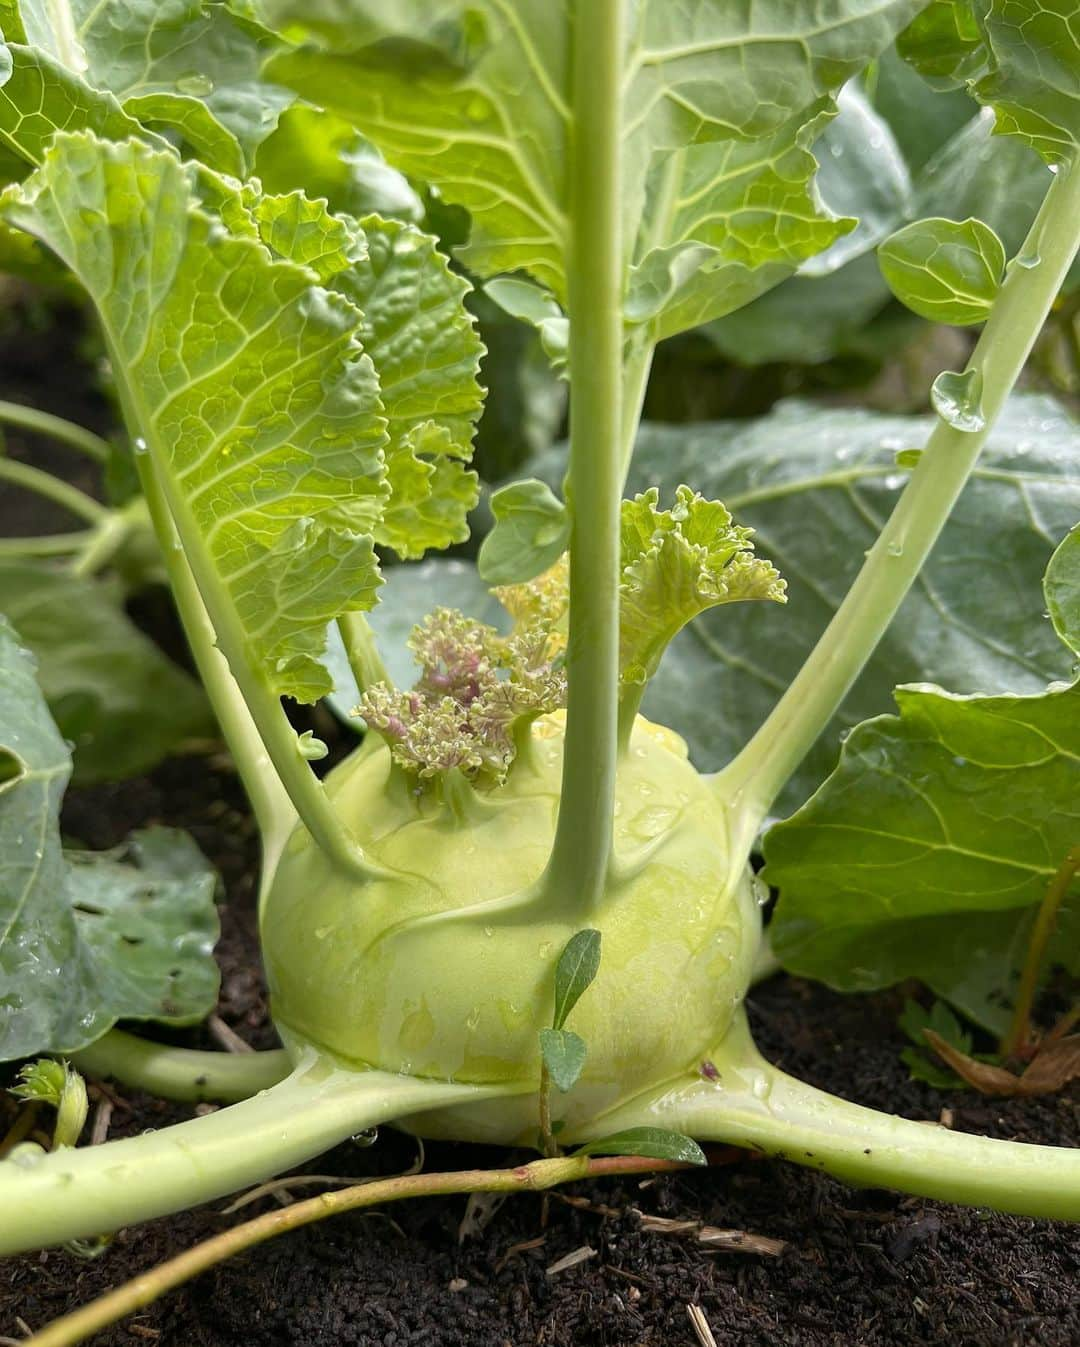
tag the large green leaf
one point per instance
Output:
(246, 383)
(720, 103)
(115, 697)
(190, 66)
(816, 484)
(928, 849)
(86, 939)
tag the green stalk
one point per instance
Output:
(172, 520)
(56, 428)
(752, 1104)
(760, 771)
(75, 1194)
(149, 1286)
(362, 651)
(274, 812)
(46, 545)
(578, 866)
(181, 1073)
(45, 484)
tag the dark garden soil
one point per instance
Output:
(857, 1267)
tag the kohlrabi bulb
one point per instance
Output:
(445, 967)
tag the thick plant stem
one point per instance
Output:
(362, 651)
(56, 428)
(1045, 921)
(145, 1289)
(181, 1073)
(45, 484)
(754, 1105)
(581, 852)
(73, 1194)
(273, 810)
(760, 771)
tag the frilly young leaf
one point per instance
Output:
(87, 939)
(531, 532)
(928, 849)
(675, 564)
(474, 96)
(564, 1054)
(943, 270)
(114, 696)
(816, 485)
(246, 384)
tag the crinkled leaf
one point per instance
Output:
(87, 939)
(474, 97)
(816, 485)
(946, 271)
(41, 96)
(574, 973)
(424, 344)
(945, 822)
(531, 532)
(862, 175)
(564, 1054)
(115, 697)
(185, 65)
(655, 1143)
(1061, 586)
(676, 564)
(244, 381)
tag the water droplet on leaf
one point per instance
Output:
(196, 84)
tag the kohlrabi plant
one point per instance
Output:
(517, 912)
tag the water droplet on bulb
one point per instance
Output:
(367, 1137)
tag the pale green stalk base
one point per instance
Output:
(754, 1105)
(75, 1194)
(181, 1073)
(757, 775)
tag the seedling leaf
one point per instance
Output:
(577, 966)
(564, 1056)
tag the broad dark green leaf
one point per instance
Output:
(944, 270)
(564, 1054)
(87, 938)
(577, 966)
(928, 850)
(531, 532)
(655, 1143)
(115, 697)
(816, 485)
(718, 116)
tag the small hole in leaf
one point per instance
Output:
(11, 767)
